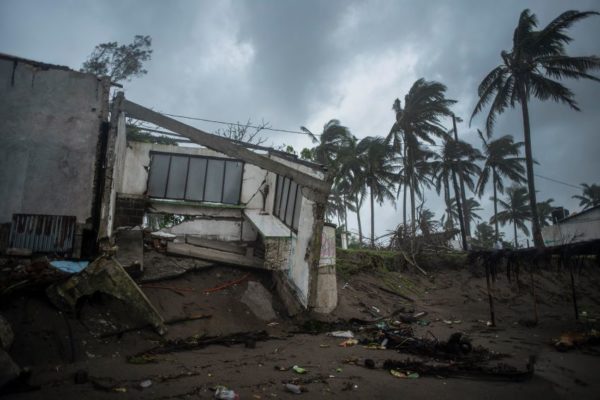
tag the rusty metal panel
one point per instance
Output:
(43, 233)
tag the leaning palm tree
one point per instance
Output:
(534, 66)
(544, 209)
(420, 119)
(502, 160)
(379, 170)
(328, 146)
(590, 196)
(516, 210)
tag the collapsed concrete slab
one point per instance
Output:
(105, 275)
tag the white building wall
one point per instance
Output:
(579, 228)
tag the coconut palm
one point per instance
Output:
(414, 175)
(378, 172)
(590, 196)
(471, 207)
(533, 67)
(516, 210)
(334, 138)
(456, 159)
(502, 160)
(420, 119)
(544, 209)
(353, 179)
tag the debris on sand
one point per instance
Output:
(200, 342)
(466, 369)
(105, 275)
(571, 340)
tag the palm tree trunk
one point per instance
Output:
(466, 213)
(413, 210)
(345, 218)
(412, 193)
(372, 219)
(404, 206)
(535, 221)
(447, 198)
(463, 234)
(405, 189)
(495, 204)
(462, 188)
(360, 235)
(516, 242)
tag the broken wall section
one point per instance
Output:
(52, 120)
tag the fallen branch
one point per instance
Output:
(395, 293)
(227, 284)
(195, 342)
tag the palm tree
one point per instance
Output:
(516, 210)
(456, 160)
(533, 67)
(351, 174)
(414, 175)
(334, 138)
(424, 106)
(590, 196)
(471, 207)
(544, 209)
(379, 170)
(501, 161)
(334, 150)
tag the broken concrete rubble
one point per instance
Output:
(107, 276)
(259, 301)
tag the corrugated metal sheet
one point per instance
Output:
(43, 233)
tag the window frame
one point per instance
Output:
(187, 175)
(289, 202)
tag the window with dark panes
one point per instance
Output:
(287, 202)
(196, 178)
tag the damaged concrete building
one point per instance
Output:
(70, 180)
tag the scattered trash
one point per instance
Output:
(324, 346)
(120, 390)
(296, 389)
(376, 309)
(273, 323)
(341, 334)
(451, 322)
(348, 343)
(408, 374)
(299, 370)
(570, 340)
(222, 393)
(71, 267)
(145, 384)
(423, 322)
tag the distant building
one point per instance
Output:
(581, 227)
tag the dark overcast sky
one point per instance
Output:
(296, 63)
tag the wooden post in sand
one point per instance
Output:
(535, 307)
(489, 290)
